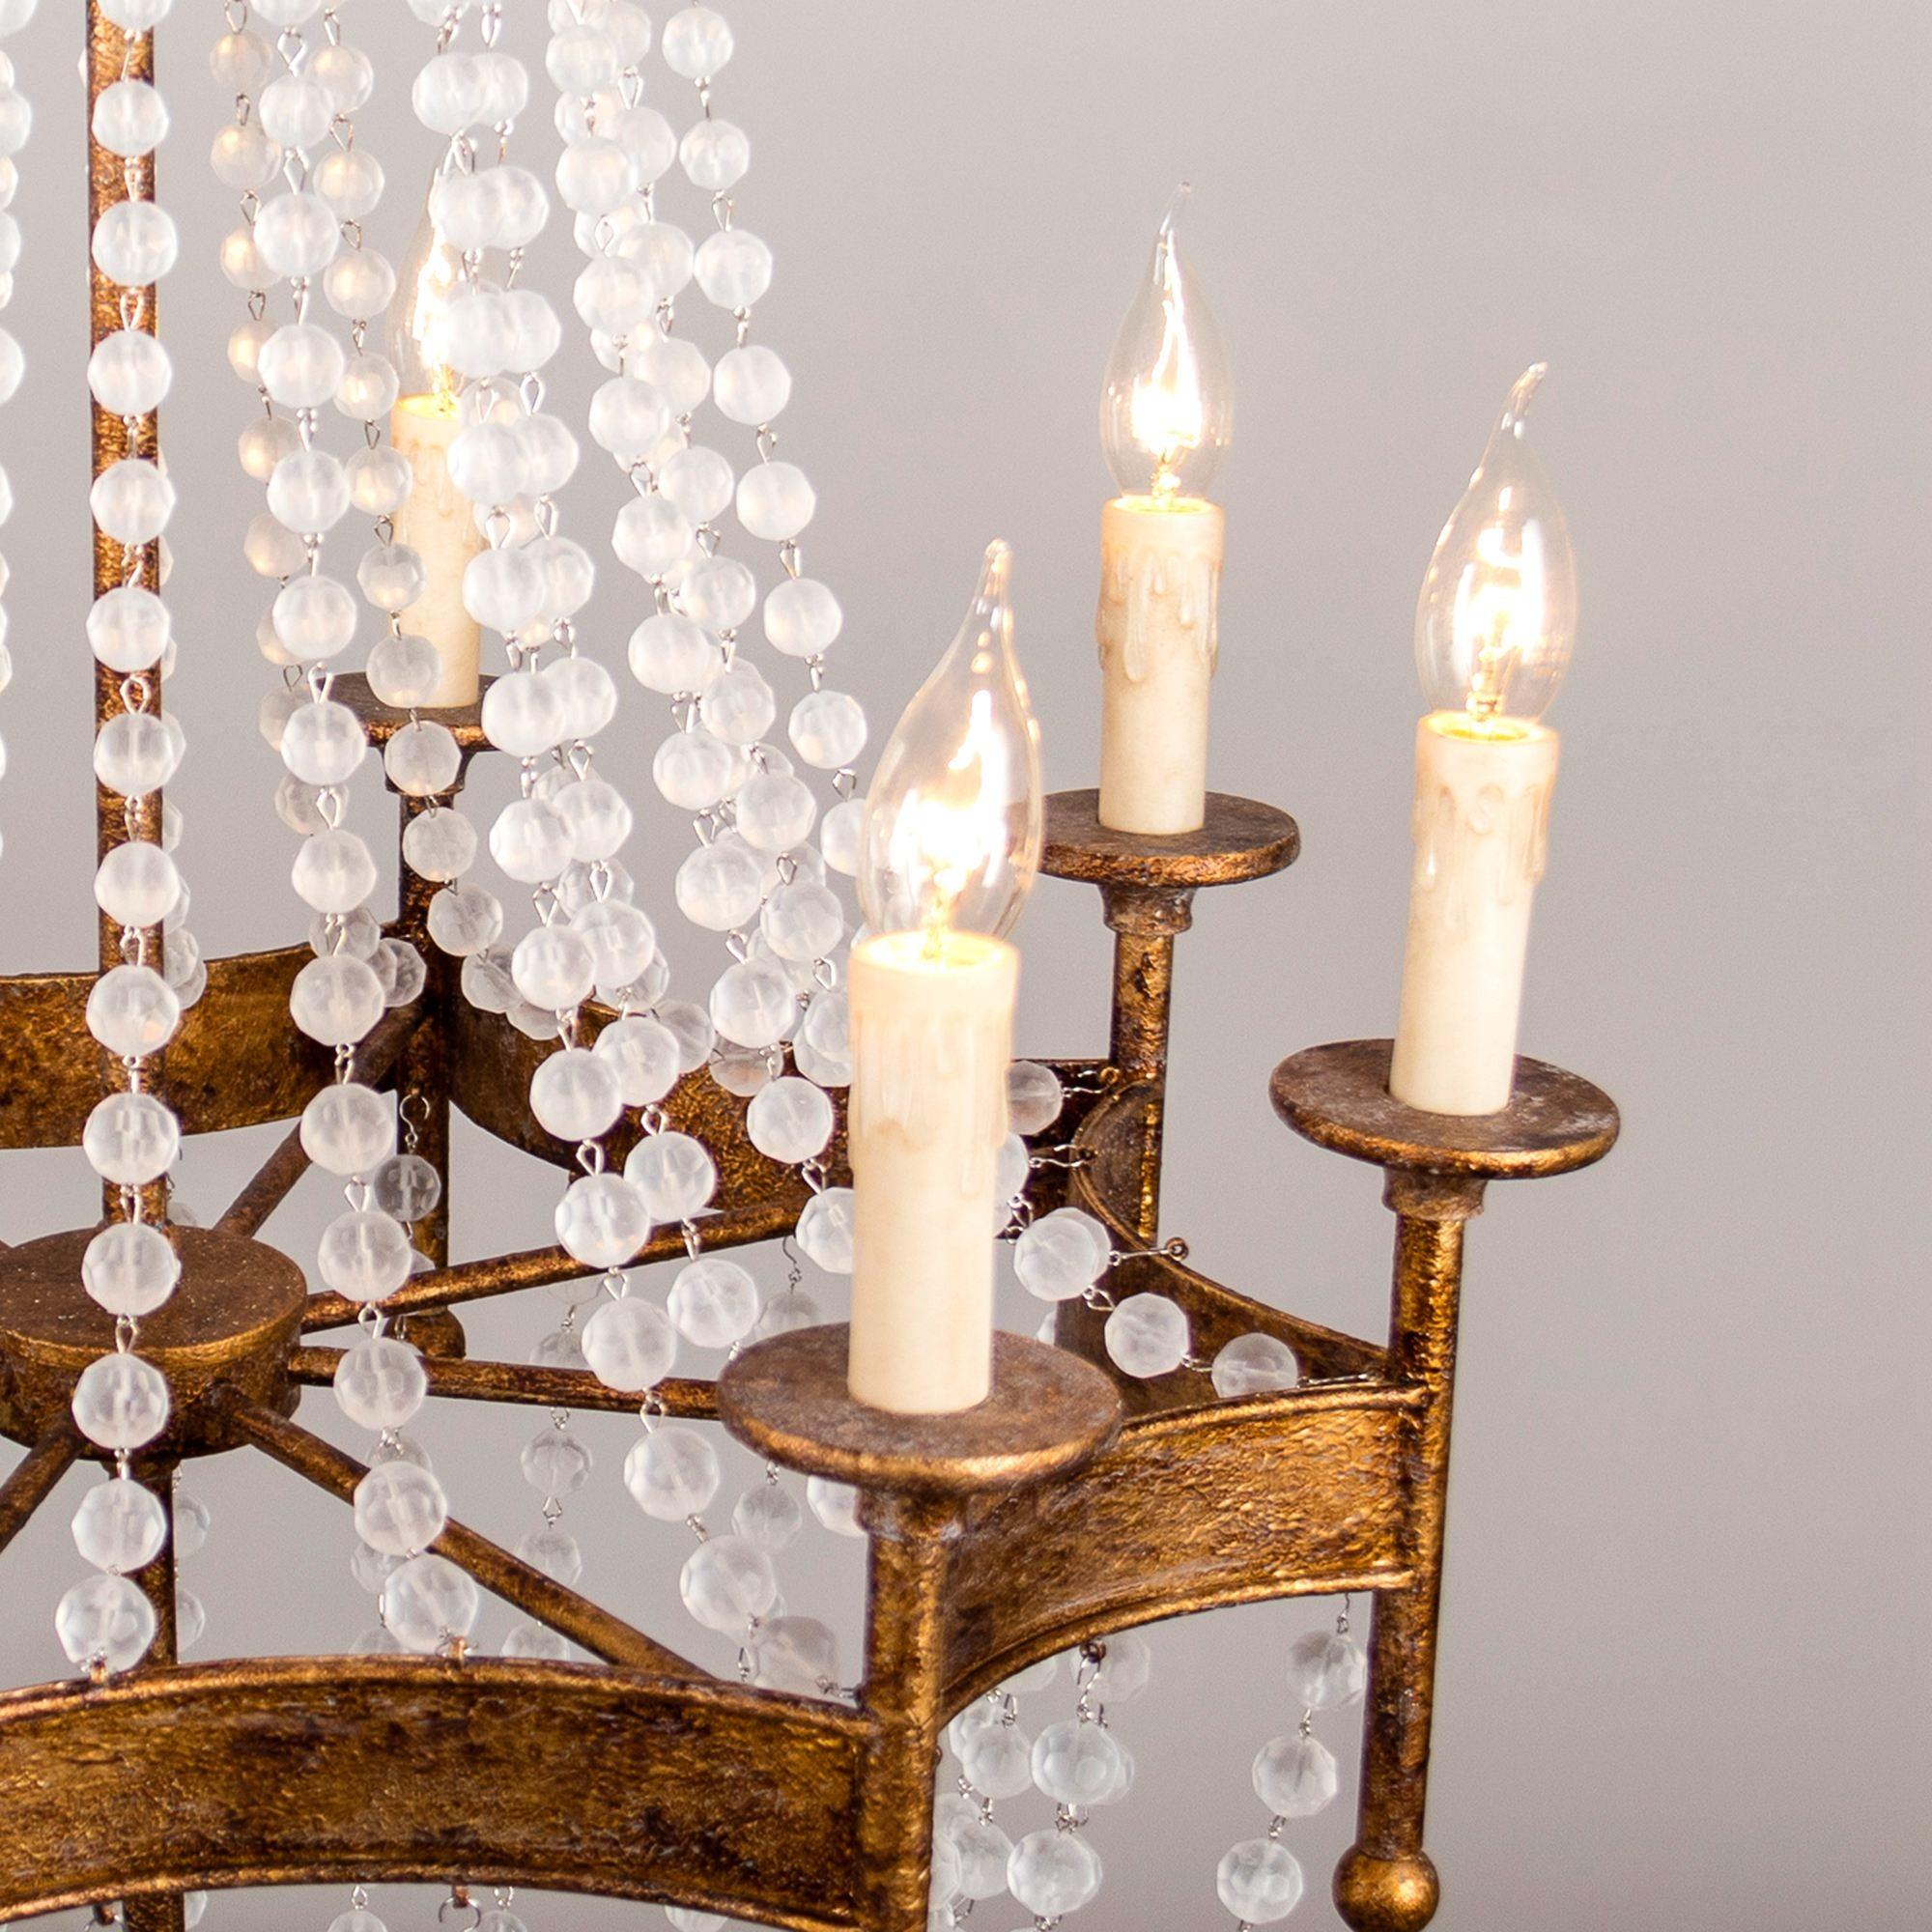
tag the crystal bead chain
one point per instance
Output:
(120, 1401)
(1296, 1776)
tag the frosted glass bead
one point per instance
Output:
(668, 653)
(1062, 1255)
(1125, 1672)
(1077, 1764)
(1327, 1671)
(824, 1229)
(664, 251)
(399, 1509)
(295, 110)
(120, 1402)
(535, 331)
(775, 501)
(191, 1521)
(768, 1517)
(751, 384)
(135, 753)
(352, 181)
(136, 17)
(371, 1569)
(131, 501)
(505, 84)
(752, 1004)
(428, 1602)
(349, 1129)
(983, 1851)
(776, 812)
(695, 43)
(488, 463)
(550, 453)
(675, 1173)
(314, 618)
(629, 1345)
(359, 935)
(823, 1045)
(134, 241)
(324, 743)
(699, 481)
(674, 366)
(334, 872)
(840, 834)
(795, 1654)
(597, 815)
(740, 1072)
(555, 1463)
(440, 844)
(127, 628)
(241, 62)
(136, 883)
(243, 158)
(576, 889)
(106, 1621)
(574, 1095)
(522, 206)
(309, 492)
(244, 348)
(737, 705)
(448, 93)
(336, 1001)
(130, 1137)
(552, 967)
(1251, 1364)
(128, 372)
(828, 729)
(130, 118)
(713, 1303)
(120, 1525)
(726, 1582)
(733, 267)
(1147, 1335)
(1053, 1872)
(835, 1505)
(345, 73)
(790, 1120)
(801, 617)
(401, 970)
(299, 805)
(241, 261)
(650, 536)
(364, 1255)
(1034, 1097)
(642, 1054)
(1258, 1880)
(404, 1185)
(530, 840)
(1296, 1776)
(272, 550)
(719, 886)
(478, 333)
(689, 1025)
(995, 1760)
(380, 1384)
(715, 154)
(486, 984)
(720, 593)
(610, 294)
(423, 758)
(264, 444)
(522, 714)
(130, 1268)
(628, 418)
(803, 922)
(404, 671)
(554, 1552)
(369, 388)
(672, 1473)
(694, 770)
(620, 940)
(593, 175)
(301, 366)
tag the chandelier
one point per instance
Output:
(1165, 1443)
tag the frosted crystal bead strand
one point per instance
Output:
(121, 1402)
(1259, 1880)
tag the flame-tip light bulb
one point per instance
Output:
(1494, 631)
(951, 842)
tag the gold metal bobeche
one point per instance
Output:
(1067, 1506)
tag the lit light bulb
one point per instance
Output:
(1497, 614)
(418, 317)
(954, 818)
(1168, 405)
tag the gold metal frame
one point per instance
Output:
(645, 1776)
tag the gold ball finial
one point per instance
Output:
(1386, 1894)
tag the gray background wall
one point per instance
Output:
(1682, 1677)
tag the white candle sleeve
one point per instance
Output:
(438, 522)
(931, 1042)
(1481, 823)
(1157, 628)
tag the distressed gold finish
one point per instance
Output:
(1072, 1504)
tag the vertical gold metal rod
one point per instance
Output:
(112, 56)
(1144, 921)
(1386, 1882)
(906, 1664)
